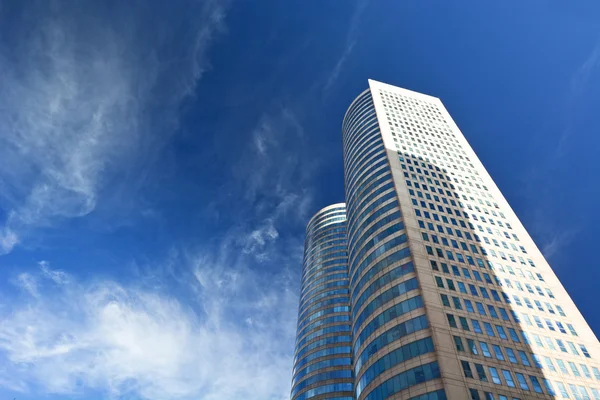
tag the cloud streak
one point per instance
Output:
(87, 99)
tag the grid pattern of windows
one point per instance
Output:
(422, 212)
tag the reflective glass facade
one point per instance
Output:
(448, 297)
(323, 358)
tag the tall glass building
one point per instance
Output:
(449, 297)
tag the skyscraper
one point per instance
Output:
(449, 297)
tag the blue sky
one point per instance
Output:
(158, 163)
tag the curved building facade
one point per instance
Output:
(431, 289)
(323, 358)
(392, 345)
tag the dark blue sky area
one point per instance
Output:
(159, 163)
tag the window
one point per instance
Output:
(524, 359)
(536, 384)
(474, 394)
(549, 387)
(481, 372)
(439, 282)
(522, 382)
(451, 321)
(501, 332)
(466, 369)
(463, 323)
(458, 343)
(456, 302)
(485, 349)
(508, 378)
(495, 376)
(473, 348)
(468, 305)
(549, 364)
(511, 355)
(445, 300)
(476, 326)
(563, 390)
(562, 366)
(574, 369)
(488, 329)
(584, 351)
(498, 352)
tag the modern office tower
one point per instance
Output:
(449, 296)
(323, 359)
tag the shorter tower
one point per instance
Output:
(322, 360)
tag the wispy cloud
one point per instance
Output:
(274, 177)
(577, 88)
(125, 340)
(351, 38)
(87, 97)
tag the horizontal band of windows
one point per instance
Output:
(437, 395)
(329, 293)
(339, 339)
(320, 251)
(381, 195)
(391, 313)
(338, 374)
(367, 190)
(391, 335)
(412, 377)
(359, 101)
(393, 358)
(323, 353)
(334, 220)
(318, 218)
(363, 186)
(379, 251)
(378, 224)
(345, 300)
(359, 131)
(342, 267)
(387, 278)
(372, 153)
(367, 172)
(317, 267)
(384, 298)
(367, 245)
(375, 214)
(372, 143)
(365, 104)
(316, 247)
(342, 330)
(369, 145)
(328, 234)
(338, 281)
(315, 282)
(327, 321)
(380, 266)
(330, 362)
(326, 256)
(322, 313)
(334, 387)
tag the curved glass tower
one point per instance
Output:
(392, 345)
(432, 289)
(322, 361)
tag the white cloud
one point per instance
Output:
(88, 96)
(126, 340)
(351, 38)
